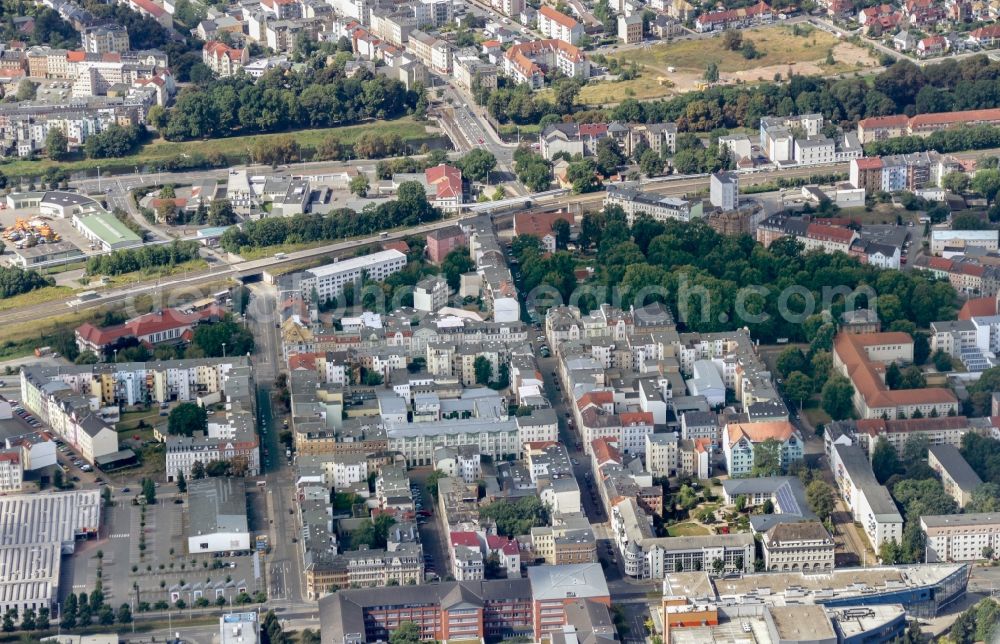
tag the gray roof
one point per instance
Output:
(859, 470)
(567, 581)
(961, 520)
(956, 466)
(217, 505)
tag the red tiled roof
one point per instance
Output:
(636, 418)
(398, 244)
(145, 325)
(469, 539)
(780, 430)
(302, 361)
(731, 15)
(949, 118)
(940, 263)
(446, 179)
(877, 426)
(538, 223)
(599, 398)
(832, 233)
(76, 56)
(149, 7)
(866, 377)
(978, 307)
(988, 32)
(557, 17)
(896, 120)
(869, 163)
(605, 450)
(504, 544)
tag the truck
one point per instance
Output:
(41, 351)
(383, 235)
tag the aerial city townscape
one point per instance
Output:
(500, 321)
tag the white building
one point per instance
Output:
(961, 537)
(724, 190)
(217, 515)
(941, 239)
(554, 24)
(869, 502)
(815, 151)
(662, 453)
(11, 470)
(430, 294)
(328, 281)
(707, 382)
(461, 462)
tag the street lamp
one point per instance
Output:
(98, 178)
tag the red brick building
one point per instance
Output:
(442, 241)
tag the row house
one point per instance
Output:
(559, 26)
(432, 52)
(658, 137)
(879, 128)
(758, 14)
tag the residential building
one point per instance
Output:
(961, 537)
(958, 478)
(446, 182)
(431, 294)
(662, 453)
(223, 59)
(327, 282)
(104, 39)
(553, 24)
(526, 63)
(11, 470)
(868, 501)
(963, 239)
(740, 439)
(887, 127)
(484, 609)
(724, 190)
(638, 203)
(442, 241)
(541, 225)
(758, 14)
(630, 28)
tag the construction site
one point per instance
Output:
(34, 240)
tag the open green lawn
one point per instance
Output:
(233, 147)
(37, 296)
(130, 420)
(160, 271)
(687, 530)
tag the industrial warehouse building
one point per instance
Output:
(217, 515)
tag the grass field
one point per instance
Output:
(780, 49)
(233, 147)
(687, 530)
(777, 46)
(37, 296)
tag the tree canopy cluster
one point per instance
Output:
(410, 208)
(280, 101)
(979, 623)
(15, 281)
(116, 141)
(135, 259)
(187, 418)
(516, 518)
(903, 87)
(49, 29)
(682, 257)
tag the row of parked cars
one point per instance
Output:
(24, 414)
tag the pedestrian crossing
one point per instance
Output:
(120, 535)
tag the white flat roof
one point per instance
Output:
(355, 263)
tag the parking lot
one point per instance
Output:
(144, 553)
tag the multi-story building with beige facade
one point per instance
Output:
(958, 478)
(804, 545)
(961, 537)
(862, 359)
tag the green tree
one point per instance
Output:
(985, 498)
(56, 144)
(561, 228)
(837, 397)
(790, 359)
(359, 185)
(820, 498)
(124, 614)
(28, 620)
(518, 517)
(187, 418)
(406, 633)
(942, 361)
(477, 164)
(181, 482)
(149, 491)
(484, 370)
(893, 376)
(27, 90)
(432, 483)
(798, 386)
(767, 458)
(197, 470)
(712, 73)
(374, 533)
(583, 175)
(885, 461)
